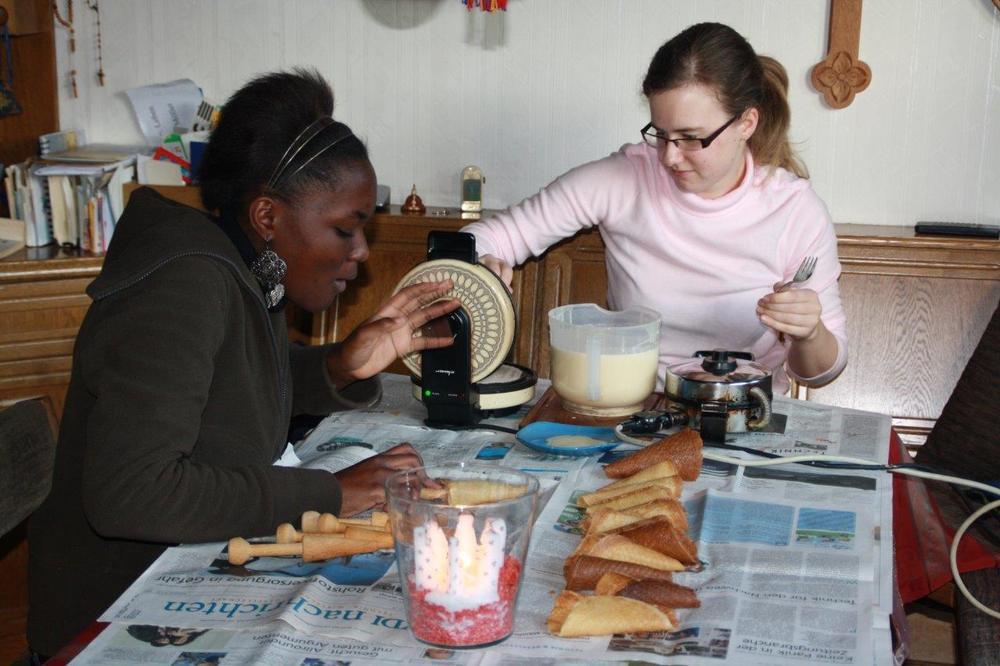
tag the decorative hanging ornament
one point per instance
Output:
(486, 5)
(92, 5)
(67, 23)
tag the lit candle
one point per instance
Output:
(460, 572)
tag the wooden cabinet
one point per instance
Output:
(42, 303)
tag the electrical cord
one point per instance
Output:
(478, 426)
(953, 557)
(848, 462)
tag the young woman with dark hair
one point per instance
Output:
(704, 218)
(183, 379)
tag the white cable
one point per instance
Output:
(986, 508)
(786, 460)
(947, 479)
(953, 559)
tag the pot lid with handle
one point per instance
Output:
(720, 366)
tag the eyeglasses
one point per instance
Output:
(657, 137)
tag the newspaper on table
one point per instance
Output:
(795, 562)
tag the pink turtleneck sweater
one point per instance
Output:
(701, 263)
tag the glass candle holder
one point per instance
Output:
(460, 549)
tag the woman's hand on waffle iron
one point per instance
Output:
(397, 328)
(500, 267)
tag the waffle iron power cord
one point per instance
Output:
(847, 463)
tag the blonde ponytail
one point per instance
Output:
(769, 143)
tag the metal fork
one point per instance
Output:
(804, 272)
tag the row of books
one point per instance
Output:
(72, 194)
(66, 204)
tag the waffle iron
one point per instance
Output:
(468, 381)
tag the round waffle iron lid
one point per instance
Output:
(486, 301)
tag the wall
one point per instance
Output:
(553, 83)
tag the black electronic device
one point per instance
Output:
(958, 229)
(446, 373)
(467, 381)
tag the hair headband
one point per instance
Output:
(305, 137)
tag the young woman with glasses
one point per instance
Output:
(183, 379)
(704, 218)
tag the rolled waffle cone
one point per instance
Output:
(665, 468)
(582, 615)
(658, 534)
(623, 549)
(602, 495)
(611, 583)
(668, 508)
(661, 593)
(602, 520)
(474, 491)
(583, 571)
(641, 495)
(586, 543)
(683, 449)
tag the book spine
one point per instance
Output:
(40, 229)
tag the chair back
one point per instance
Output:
(966, 437)
(27, 454)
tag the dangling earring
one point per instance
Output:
(270, 269)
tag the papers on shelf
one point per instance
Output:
(105, 155)
(165, 108)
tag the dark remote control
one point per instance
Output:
(958, 229)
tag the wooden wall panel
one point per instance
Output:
(34, 58)
(928, 328)
(916, 307)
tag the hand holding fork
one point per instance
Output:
(812, 308)
(804, 272)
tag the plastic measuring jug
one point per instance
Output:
(603, 362)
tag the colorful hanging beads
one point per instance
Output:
(486, 5)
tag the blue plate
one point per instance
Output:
(540, 435)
